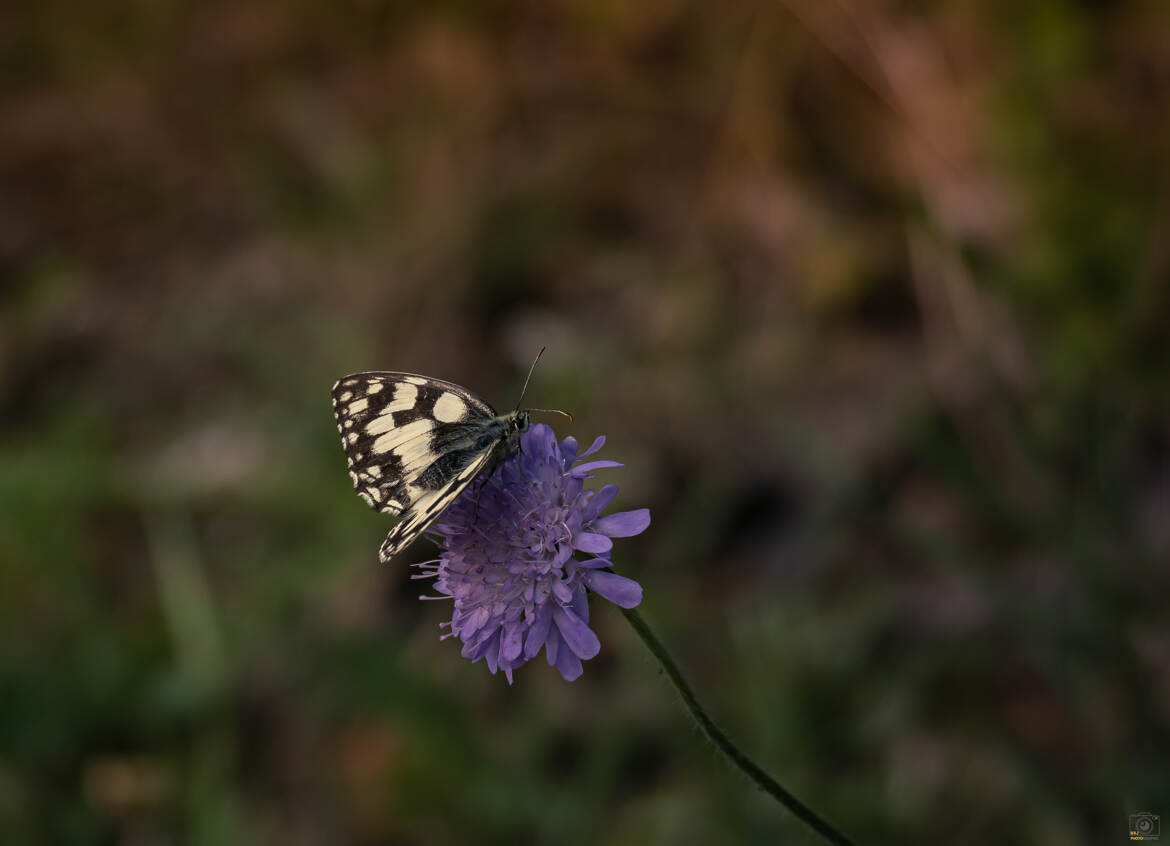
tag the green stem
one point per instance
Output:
(723, 742)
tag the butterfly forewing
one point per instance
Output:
(413, 444)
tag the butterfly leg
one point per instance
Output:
(479, 484)
(520, 465)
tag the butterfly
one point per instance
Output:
(414, 444)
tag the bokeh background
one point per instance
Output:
(870, 296)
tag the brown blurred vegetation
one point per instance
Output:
(870, 296)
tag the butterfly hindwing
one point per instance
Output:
(430, 506)
(413, 444)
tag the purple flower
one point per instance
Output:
(508, 557)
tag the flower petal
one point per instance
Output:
(588, 466)
(623, 592)
(491, 655)
(474, 647)
(539, 440)
(562, 591)
(580, 604)
(597, 444)
(537, 634)
(594, 562)
(569, 665)
(552, 646)
(512, 644)
(592, 542)
(624, 524)
(600, 501)
(577, 634)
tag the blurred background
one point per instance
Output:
(871, 297)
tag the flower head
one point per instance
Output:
(508, 556)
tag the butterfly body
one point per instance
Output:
(414, 443)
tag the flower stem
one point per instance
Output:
(722, 742)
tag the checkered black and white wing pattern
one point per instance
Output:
(431, 504)
(413, 444)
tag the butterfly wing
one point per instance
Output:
(412, 443)
(429, 506)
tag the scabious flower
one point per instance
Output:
(508, 558)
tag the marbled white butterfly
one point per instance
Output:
(414, 443)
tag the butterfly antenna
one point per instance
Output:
(529, 376)
(554, 411)
(525, 388)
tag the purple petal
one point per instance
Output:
(582, 469)
(592, 542)
(623, 592)
(537, 634)
(569, 665)
(564, 553)
(569, 449)
(580, 604)
(562, 591)
(547, 473)
(552, 647)
(539, 440)
(624, 524)
(491, 655)
(597, 444)
(600, 501)
(594, 562)
(578, 636)
(476, 647)
(513, 643)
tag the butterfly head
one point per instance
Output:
(516, 423)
